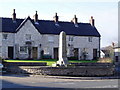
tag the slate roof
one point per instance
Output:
(49, 27)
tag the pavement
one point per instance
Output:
(14, 81)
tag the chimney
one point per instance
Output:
(56, 18)
(36, 17)
(14, 15)
(92, 21)
(75, 19)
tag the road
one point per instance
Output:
(21, 81)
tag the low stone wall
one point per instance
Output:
(25, 64)
(71, 71)
(92, 64)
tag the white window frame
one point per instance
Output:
(90, 39)
(71, 38)
(23, 52)
(46, 50)
(5, 36)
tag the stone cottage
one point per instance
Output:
(37, 39)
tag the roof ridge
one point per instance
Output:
(48, 27)
(11, 18)
(46, 20)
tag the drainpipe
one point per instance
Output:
(99, 46)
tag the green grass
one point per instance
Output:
(51, 61)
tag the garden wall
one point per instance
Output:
(71, 71)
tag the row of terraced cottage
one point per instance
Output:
(37, 39)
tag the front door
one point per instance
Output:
(55, 53)
(34, 52)
(10, 52)
(76, 53)
(94, 53)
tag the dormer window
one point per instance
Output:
(56, 24)
(76, 25)
(36, 23)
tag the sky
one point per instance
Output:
(105, 13)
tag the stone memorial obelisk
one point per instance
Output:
(62, 50)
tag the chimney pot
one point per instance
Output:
(92, 21)
(14, 15)
(56, 18)
(36, 17)
(91, 17)
(75, 19)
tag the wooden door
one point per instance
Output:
(34, 52)
(94, 54)
(55, 53)
(10, 52)
(76, 53)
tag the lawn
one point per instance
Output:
(52, 61)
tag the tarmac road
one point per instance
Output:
(21, 81)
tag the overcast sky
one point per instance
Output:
(105, 13)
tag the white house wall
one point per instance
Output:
(46, 40)
(46, 43)
(82, 42)
(79, 42)
(7, 43)
(1, 44)
(20, 37)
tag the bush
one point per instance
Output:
(1, 60)
(46, 57)
(72, 58)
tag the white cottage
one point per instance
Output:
(37, 39)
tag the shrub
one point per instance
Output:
(72, 58)
(46, 57)
(1, 60)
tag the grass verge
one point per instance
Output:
(52, 61)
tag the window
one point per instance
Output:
(5, 36)
(0, 49)
(70, 38)
(46, 50)
(90, 39)
(28, 36)
(23, 49)
(50, 39)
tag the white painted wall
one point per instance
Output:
(20, 37)
(0, 44)
(47, 41)
(7, 42)
(78, 42)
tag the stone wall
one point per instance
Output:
(11, 64)
(70, 70)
